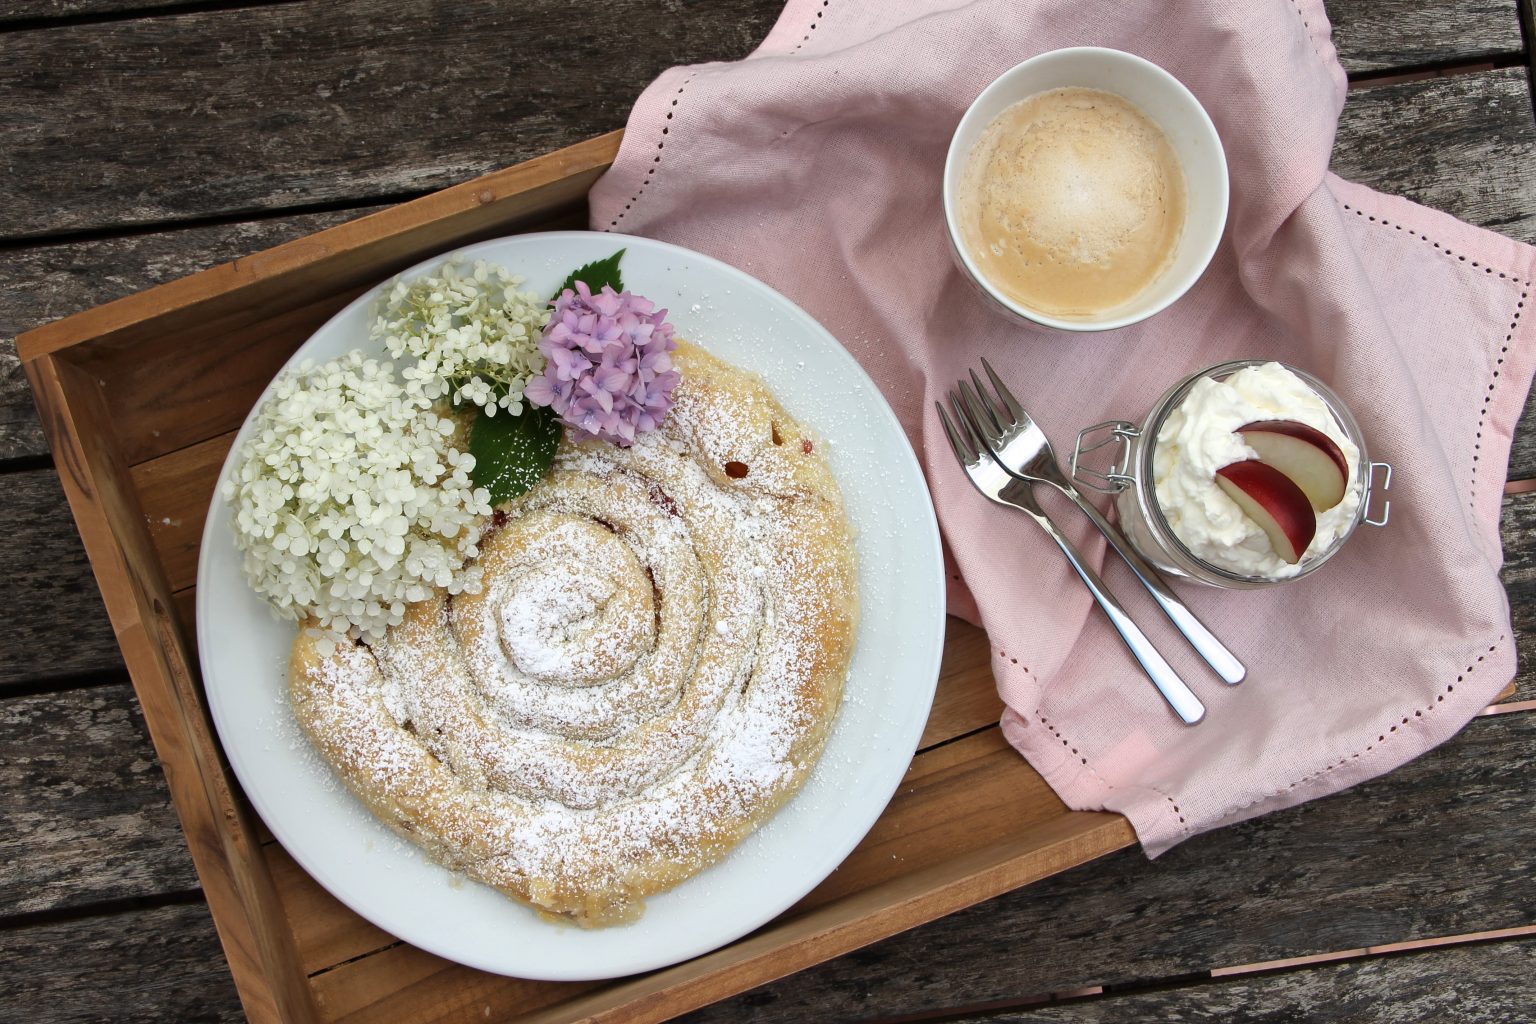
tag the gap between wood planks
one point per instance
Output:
(1527, 14)
(162, 10)
(354, 959)
(361, 205)
(23, 463)
(1268, 967)
(65, 682)
(101, 908)
(1437, 69)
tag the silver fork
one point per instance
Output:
(1008, 433)
(996, 483)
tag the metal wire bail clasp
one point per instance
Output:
(1383, 472)
(1096, 438)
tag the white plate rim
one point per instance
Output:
(925, 532)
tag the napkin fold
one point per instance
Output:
(815, 165)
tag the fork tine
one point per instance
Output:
(993, 407)
(1004, 395)
(981, 419)
(955, 443)
(968, 424)
(962, 432)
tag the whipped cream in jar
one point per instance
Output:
(1243, 475)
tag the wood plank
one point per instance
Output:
(49, 281)
(407, 984)
(1528, 32)
(61, 13)
(1377, 36)
(1522, 450)
(783, 947)
(1464, 144)
(175, 491)
(136, 967)
(85, 815)
(186, 610)
(966, 697)
(58, 627)
(20, 432)
(87, 154)
(325, 931)
(1517, 526)
(298, 119)
(975, 792)
(1490, 982)
(192, 384)
(1372, 35)
(1439, 847)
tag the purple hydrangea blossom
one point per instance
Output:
(608, 369)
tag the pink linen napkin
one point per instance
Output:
(815, 165)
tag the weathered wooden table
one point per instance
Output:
(146, 139)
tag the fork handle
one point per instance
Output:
(1215, 653)
(1174, 690)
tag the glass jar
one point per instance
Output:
(1131, 480)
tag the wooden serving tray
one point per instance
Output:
(141, 398)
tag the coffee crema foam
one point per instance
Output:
(1072, 202)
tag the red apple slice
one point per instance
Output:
(1305, 454)
(1273, 501)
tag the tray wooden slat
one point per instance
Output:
(96, 481)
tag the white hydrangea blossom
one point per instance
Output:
(473, 334)
(350, 501)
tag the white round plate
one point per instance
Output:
(244, 653)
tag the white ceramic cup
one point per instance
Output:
(1167, 102)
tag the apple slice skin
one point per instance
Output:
(1273, 501)
(1305, 454)
(1302, 432)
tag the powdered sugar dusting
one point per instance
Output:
(649, 670)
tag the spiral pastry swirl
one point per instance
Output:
(648, 672)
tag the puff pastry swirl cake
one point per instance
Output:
(649, 671)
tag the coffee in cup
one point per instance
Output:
(1085, 189)
(1071, 202)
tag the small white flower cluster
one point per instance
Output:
(350, 501)
(473, 334)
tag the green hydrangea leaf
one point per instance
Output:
(595, 274)
(512, 453)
